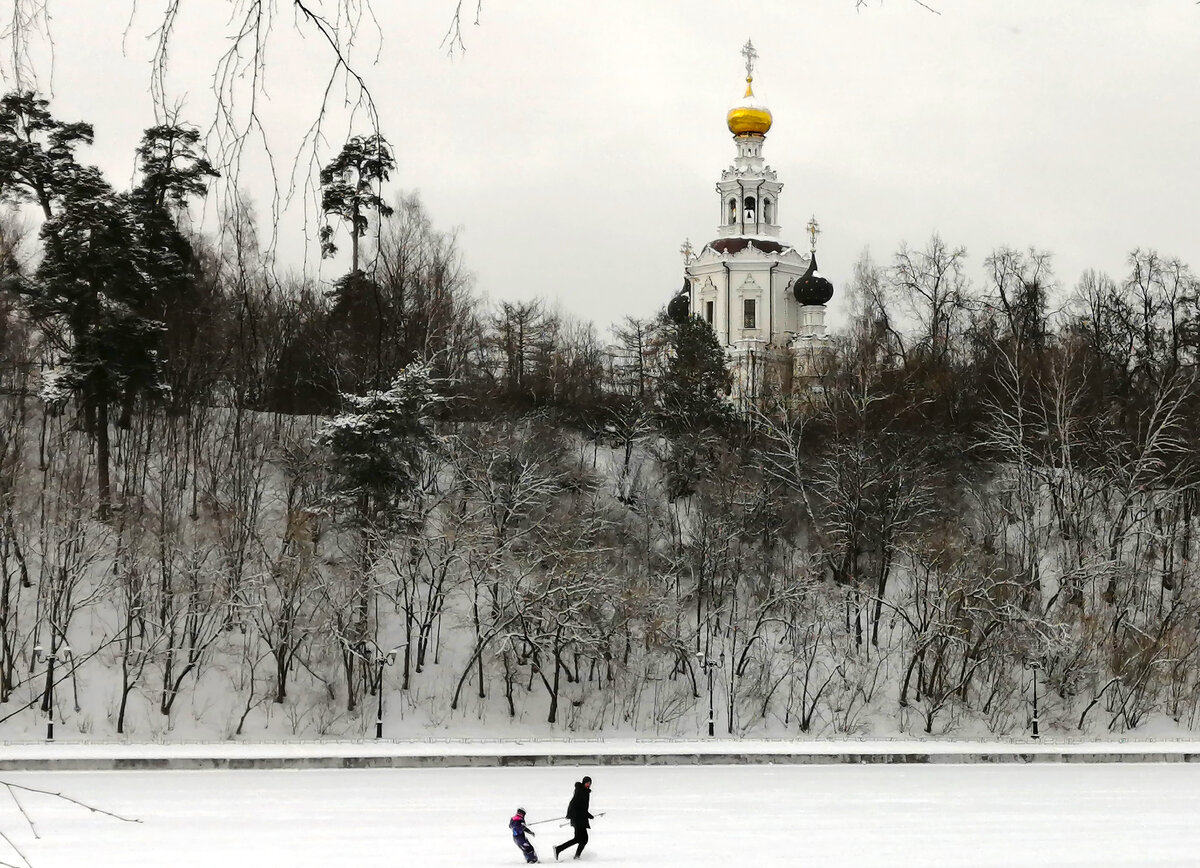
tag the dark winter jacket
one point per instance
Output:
(519, 829)
(577, 811)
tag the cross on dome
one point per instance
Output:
(689, 252)
(751, 55)
(748, 118)
(813, 229)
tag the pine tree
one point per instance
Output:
(348, 189)
(173, 170)
(378, 446)
(362, 325)
(696, 383)
(37, 152)
(693, 404)
(91, 291)
(111, 266)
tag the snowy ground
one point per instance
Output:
(1117, 814)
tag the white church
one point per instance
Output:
(763, 298)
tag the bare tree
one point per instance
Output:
(956, 608)
(17, 362)
(638, 358)
(423, 568)
(69, 548)
(510, 476)
(284, 596)
(567, 608)
(15, 581)
(931, 285)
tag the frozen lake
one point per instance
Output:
(1134, 814)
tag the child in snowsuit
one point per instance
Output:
(520, 830)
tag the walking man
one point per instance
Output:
(578, 815)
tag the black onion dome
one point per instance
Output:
(811, 288)
(679, 307)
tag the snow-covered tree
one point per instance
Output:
(379, 444)
(377, 450)
(91, 291)
(173, 171)
(37, 151)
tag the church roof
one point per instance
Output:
(737, 245)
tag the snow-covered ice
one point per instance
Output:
(1120, 814)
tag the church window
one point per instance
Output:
(750, 208)
(749, 314)
(768, 211)
(708, 311)
(732, 211)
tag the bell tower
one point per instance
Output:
(749, 190)
(757, 293)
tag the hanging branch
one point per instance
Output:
(10, 786)
(24, 813)
(15, 849)
(453, 38)
(12, 789)
(239, 80)
(28, 25)
(859, 4)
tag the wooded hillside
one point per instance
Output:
(237, 503)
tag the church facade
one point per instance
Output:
(763, 298)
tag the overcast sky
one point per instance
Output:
(576, 145)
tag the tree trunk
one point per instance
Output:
(104, 487)
(280, 655)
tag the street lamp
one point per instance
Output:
(50, 658)
(708, 664)
(379, 658)
(1034, 666)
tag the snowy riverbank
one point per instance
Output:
(446, 753)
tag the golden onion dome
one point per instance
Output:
(746, 118)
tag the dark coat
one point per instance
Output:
(577, 811)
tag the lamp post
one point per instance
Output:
(50, 658)
(708, 664)
(380, 659)
(1034, 666)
